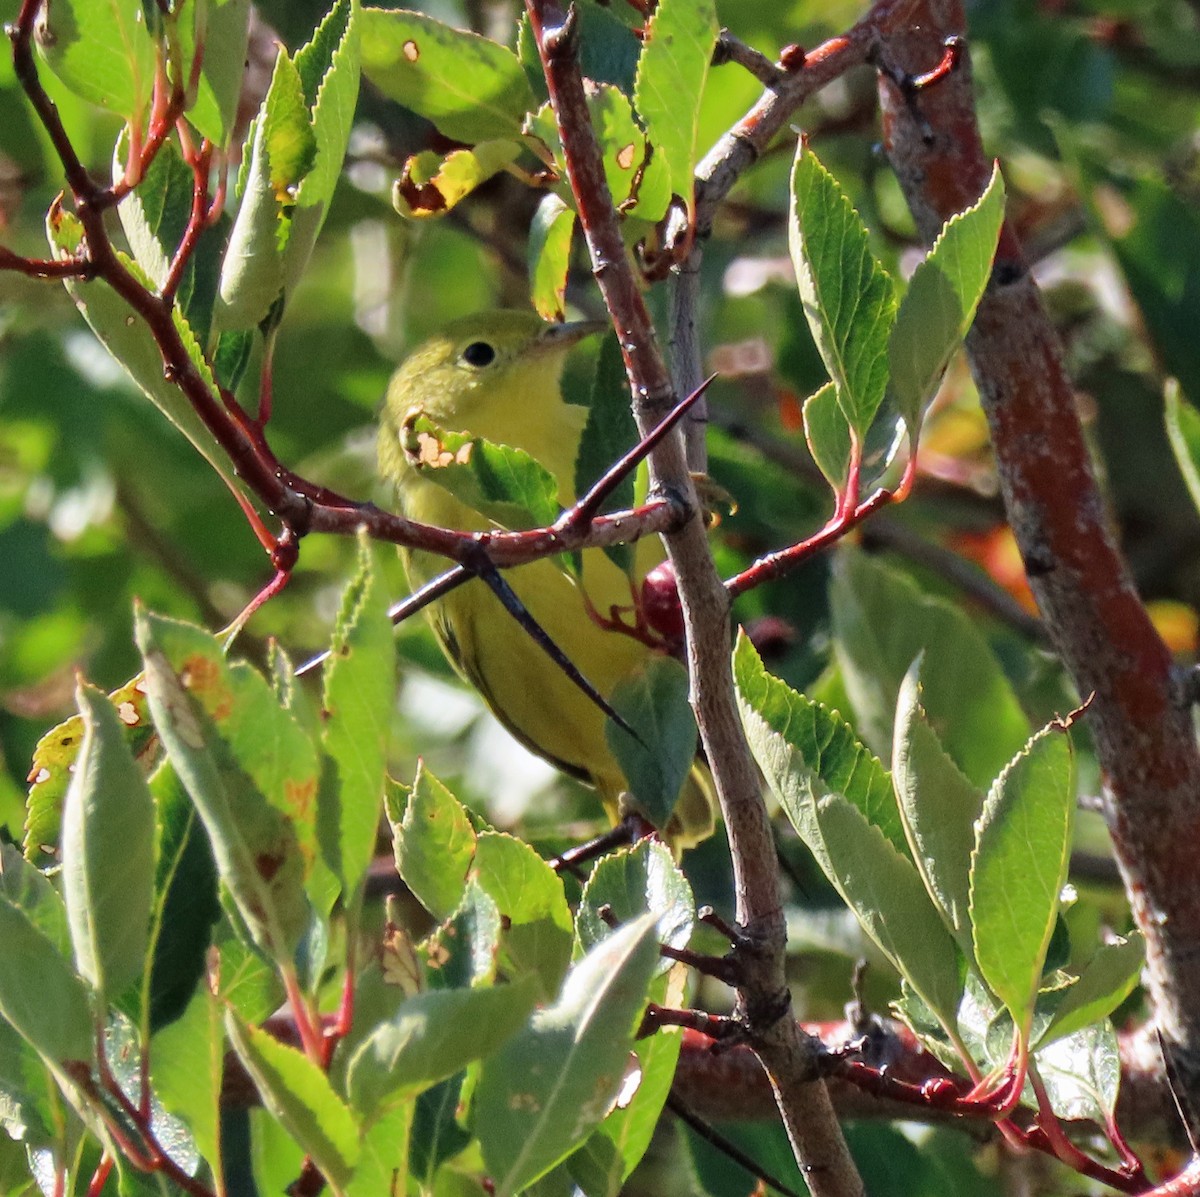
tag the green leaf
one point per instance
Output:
(31, 892)
(257, 845)
(541, 1095)
(300, 1096)
(609, 433)
(432, 1037)
(288, 138)
(630, 883)
(252, 269)
(622, 144)
(1023, 844)
(882, 622)
(247, 983)
(676, 54)
(383, 1162)
(434, 843)
(530, 898)
(884, 890)
(464, 950)
(102, 51)
(108, 852)
(471, 88)
(30, 1103)
(806, 751)
(131, 344)
(43, 1000)
(431, 183)
(828, 436)
(329, 67)
(849, 300)
(939, 807)
(1107, 980)
(1183, 431)
(1082, 1074)
(154, 218)
(505, 484)
(654, 700)
(360, 690)
(187, 1068)
(436, 1133)
(608, 1157)
(293, 158)
(549, 255)
(939, 305)
(186, 904)
(222, 27)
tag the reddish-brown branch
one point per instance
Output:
(1143, 731)
(197, 223)
(848, 516)
(79, 268)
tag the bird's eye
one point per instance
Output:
(479, 353)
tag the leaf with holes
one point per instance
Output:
(473, 89)
(502, 483)
(676, 54)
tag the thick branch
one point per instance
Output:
(1143, 733)
(787, 1054)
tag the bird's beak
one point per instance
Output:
(561, 336)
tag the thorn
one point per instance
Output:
(590, 503)
(517, 609)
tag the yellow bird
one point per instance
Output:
(497, 375)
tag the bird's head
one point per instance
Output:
(485, 360)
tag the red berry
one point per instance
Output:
(660, 603)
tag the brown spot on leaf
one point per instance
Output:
(411, 50)
(625, 156)
(421, 198)
(268, 864)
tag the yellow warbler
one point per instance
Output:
(497, 375)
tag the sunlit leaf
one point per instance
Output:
(471, 88)
(549, 255)
(848, 298)
(939, 305)
(1023, 842)
(676, 55)
(300, 1096)
(102, 51)
(108, 852)
(544, 1091)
